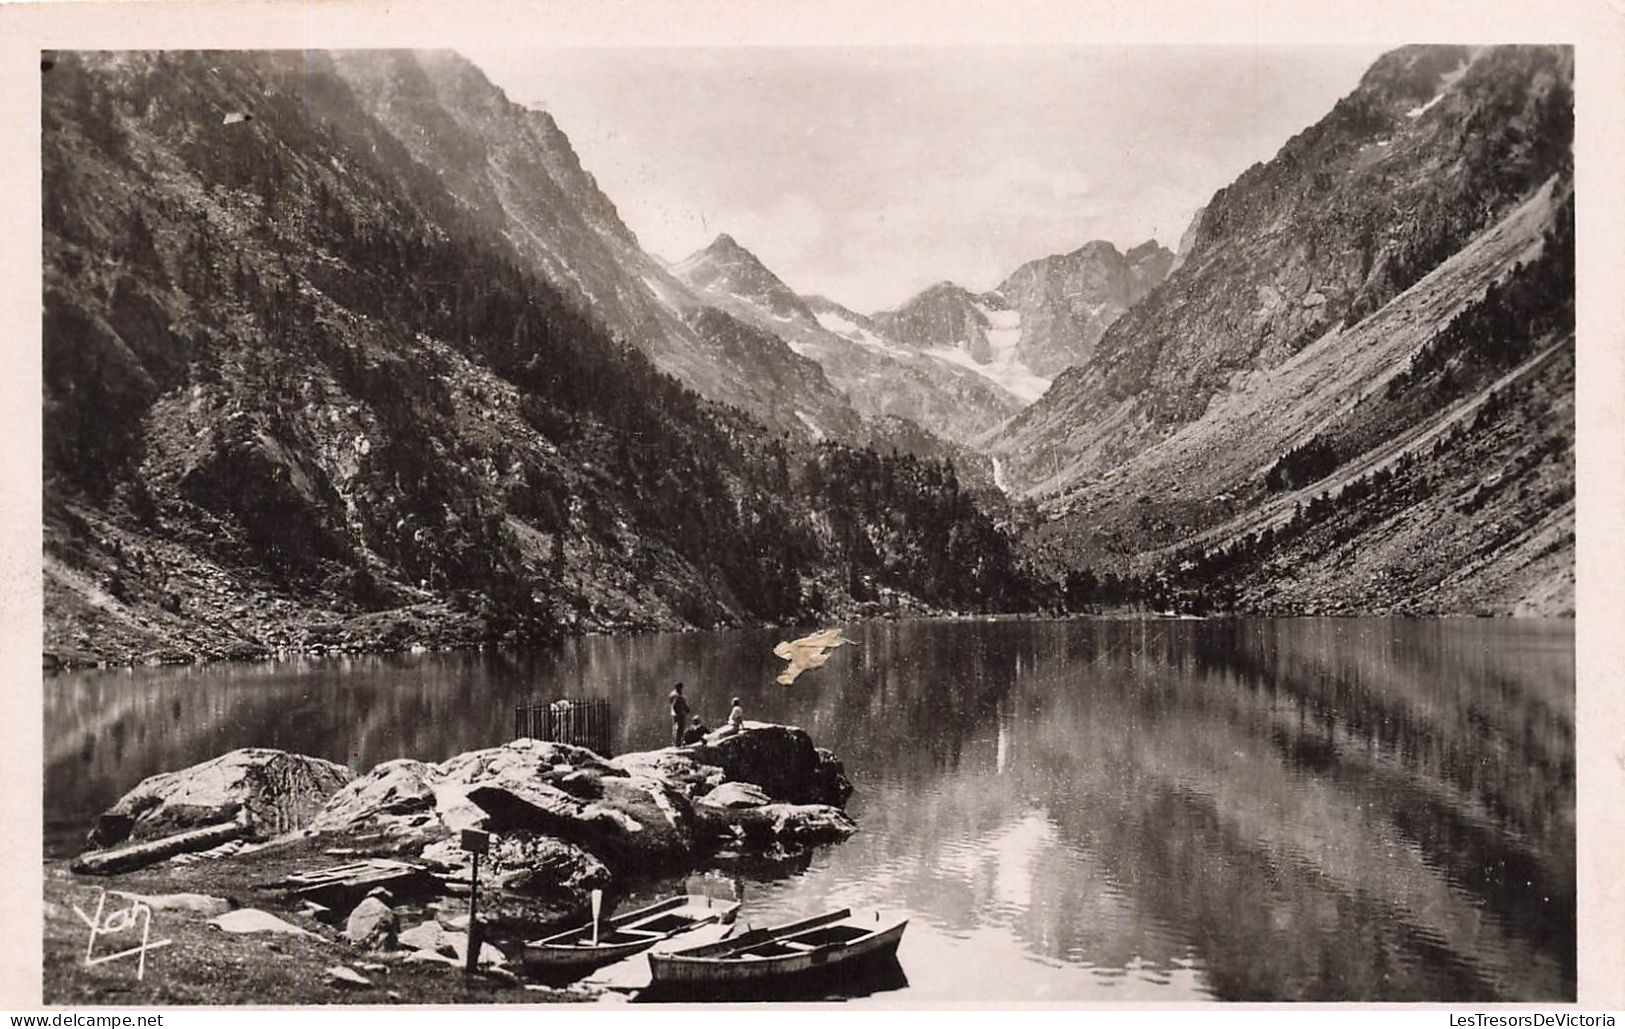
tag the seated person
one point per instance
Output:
(695, 732)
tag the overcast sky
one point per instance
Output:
(867, 174)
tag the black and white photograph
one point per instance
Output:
(730, 523)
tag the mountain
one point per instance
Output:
(1065, 303)
(1355, 390)
(310, 382)
(1040, 321)
(514, 173)
(885, 382)
(727, 268)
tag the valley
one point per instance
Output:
(362, 357)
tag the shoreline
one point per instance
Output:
(53, 664)
(563, 822)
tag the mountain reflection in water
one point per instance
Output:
(1114, 810)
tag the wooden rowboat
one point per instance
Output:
(836, 940)
(581, 949)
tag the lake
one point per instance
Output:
(1093, 811)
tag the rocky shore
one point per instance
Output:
(223, 852)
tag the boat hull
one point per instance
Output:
(722, 973)
(772, 960)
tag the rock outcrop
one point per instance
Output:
(269, 791)
(637, 823)
(565, 820)
(781, 759)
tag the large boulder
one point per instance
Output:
(678, 768)
(742, 812)
(736, 794)
(398, 787)
(372, 925)
(525, 862)
(636, 823)
(268, 791)
(428, 936)
(781, 759)
(415, 803)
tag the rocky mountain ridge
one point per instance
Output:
(1312, 336)
(883, 380)
(1043, 318)
(300, 396)
(513, 170)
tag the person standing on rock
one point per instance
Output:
(679, 715)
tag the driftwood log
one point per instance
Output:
(139, 855)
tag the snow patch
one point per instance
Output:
(1448, 79)
(1004, 367)
(812, 426)
(1417, 112)
(1005, 319)
(1004, 370)
(838, 325)
(855, 333)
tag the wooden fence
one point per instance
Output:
(580, 722)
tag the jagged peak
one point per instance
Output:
(1416, 64)
(934, 293)
(723, 248)
(1095, 247)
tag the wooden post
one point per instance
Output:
(473, 920)
(476, 843)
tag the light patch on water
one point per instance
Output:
(1013, 852)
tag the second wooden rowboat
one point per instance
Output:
(834, 940)
(584, 948)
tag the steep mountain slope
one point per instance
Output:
(1434, 146)
(883, 380)
(298, 394)
(1044, 318)
(514, 172)
(1377, 322)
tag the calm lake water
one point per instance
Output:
(1115, 810)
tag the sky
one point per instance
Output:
(869, 173)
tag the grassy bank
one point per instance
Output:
(205, 965)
